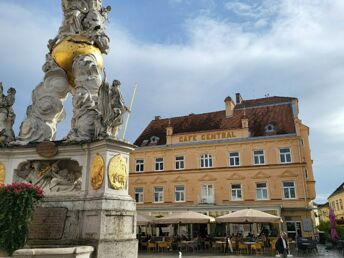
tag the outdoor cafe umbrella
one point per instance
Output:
(248, 216)
(332, 217)
(185, 218)
(143, 220)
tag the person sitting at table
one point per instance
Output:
(184, 238)
(281, 245)
(264, 239)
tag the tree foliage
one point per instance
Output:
(326, 228)
(17, 204)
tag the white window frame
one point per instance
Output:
(235, 158)
(206, 161)
(236, 190)
(160, 194)
(207, 198)
(180, 162)
(289, 189)
(139, 167)
(139, 194)
(259, 157)
(159, 165)
(285, 155)
(181, 193)
(266, 188)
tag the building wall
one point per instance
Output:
(324, 213)
(221, 176)
(336, 202)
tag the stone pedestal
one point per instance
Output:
(95, 210)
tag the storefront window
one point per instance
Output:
(294, 229)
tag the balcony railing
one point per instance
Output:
(207, 200)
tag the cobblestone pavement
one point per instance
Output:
(322, 253)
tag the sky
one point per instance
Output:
(188, 55)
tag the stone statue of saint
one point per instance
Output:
(7, 115)
(112, 107)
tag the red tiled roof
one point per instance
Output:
(340, 189)
(264, 101)
(259, 112)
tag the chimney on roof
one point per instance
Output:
(229, 106)
(157, 117)
(238, 98)
(169, 133)
(169, 129)
(244, 122)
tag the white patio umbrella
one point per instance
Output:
(186, 217)
(144, 220)
(248, 216)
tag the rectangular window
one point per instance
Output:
(207, 194)
(234, 159)
(337, 205)
(139, 195)
(139, 165)
(158, 194)
(261, 191)
(258, 157)
(285, 155)
(180, 162)
(206, 161)
(236, 192)
(289, 190)
(180, 193)
(341, 204)
(159, 164)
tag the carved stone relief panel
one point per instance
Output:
(53, 176)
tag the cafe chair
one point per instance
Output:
(163, 246)
(257, 248)
(243, 248)
(151, 246)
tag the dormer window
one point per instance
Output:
(270, 128)
(154, 139)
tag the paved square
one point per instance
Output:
(322, 253)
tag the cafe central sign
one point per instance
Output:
(207, 136)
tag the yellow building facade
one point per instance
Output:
(323, 212)
(336, 200)
(253, 154)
